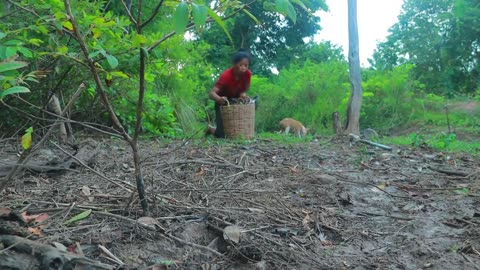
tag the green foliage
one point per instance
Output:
(390, 98)
(312, 81)
(273, 40)
(308, 93)
(441, 39)
(11, 80)
(284, 139)
(442, 142)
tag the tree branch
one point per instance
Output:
(154, 13)
(94, 72)
(139, 14)
(129, 14)
(191, 25)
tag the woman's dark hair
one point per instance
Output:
(240, 55)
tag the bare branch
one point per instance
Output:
(113, 133)
(154, 13)
(24, 8)
(130, 16)
(95, 74)
(139, 15)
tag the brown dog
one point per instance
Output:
(288, 123)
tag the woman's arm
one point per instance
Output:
(216, 97)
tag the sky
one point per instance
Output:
(375, 17)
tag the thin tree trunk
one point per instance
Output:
(337, 127)
(57, 109)
(355, 103)
(138, 124)
(108, 105)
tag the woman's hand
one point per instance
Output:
(221, 100)
(243, 97)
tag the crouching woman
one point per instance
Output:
(233, 83)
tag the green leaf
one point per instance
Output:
(112, 61)
(2, 35)
(62, 49)
(25, 52)
(93, 54)
(251, 16)
(138, 40)
(180, 18)
(5, 66)
(78, 217)
(35, 41)
(291, 13)
(26, 139)
(13, 90)
(200, 14)
(220, 22)
(119, 74)
(13, 42)
(463, 191)
(167, 262)
(96, 32)
(281, 6)
(60, 15)
(10, 51)
(301, 4)
(68, 25)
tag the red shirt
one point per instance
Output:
(230, 87)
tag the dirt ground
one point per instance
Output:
(325, 204)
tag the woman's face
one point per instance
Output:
(241, 66)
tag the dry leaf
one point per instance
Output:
(232, 233)
(148, 221)
(200, 172)
(86, 191)
(72, 248)
(35, 230)
(41, 218)
(34, 218)
(59, 246)
(256, 210)
(327, 243)
(379, 187)
(4, 212)
(294, 169)
(306, 222)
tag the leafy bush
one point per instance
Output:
(309, 93)
(390, 98)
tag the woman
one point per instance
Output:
(233, 83)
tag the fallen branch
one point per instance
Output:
(356, 138)
(448, 172)
(21, 253)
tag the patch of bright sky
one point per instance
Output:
(375, 17)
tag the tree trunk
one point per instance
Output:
(57, 109)
(337, 127)
(355, 102)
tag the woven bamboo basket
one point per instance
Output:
(238, 120)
